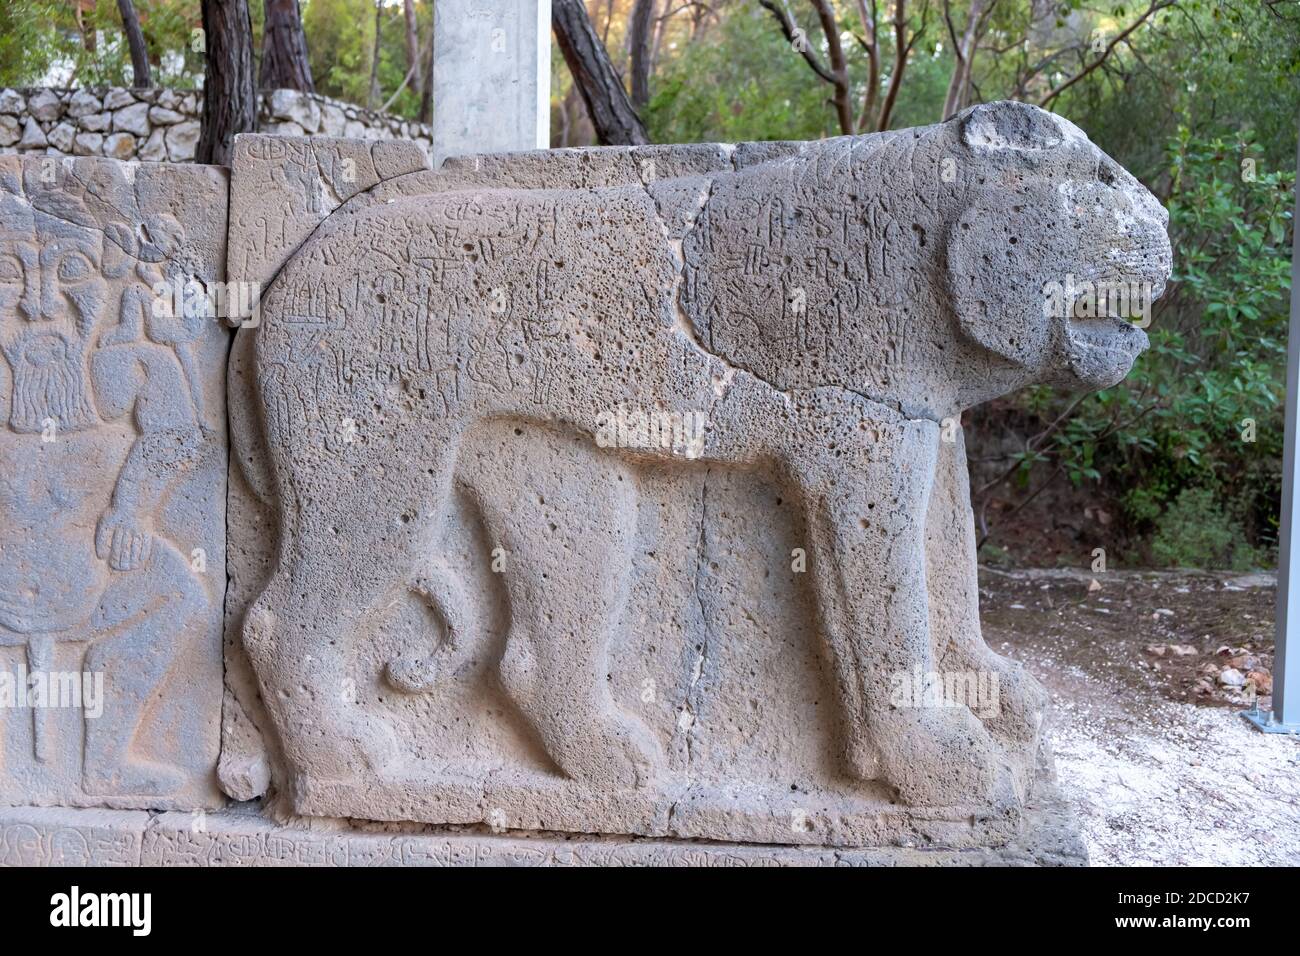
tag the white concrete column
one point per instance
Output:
(491, 76)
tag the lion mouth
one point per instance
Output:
(1102, 350)
(1107, 332)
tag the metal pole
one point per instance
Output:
(1285, 717)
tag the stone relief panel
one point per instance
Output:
(112, 570)
(617, 490)
(286, 187)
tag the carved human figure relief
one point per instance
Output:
(110, 455)
(434, 370)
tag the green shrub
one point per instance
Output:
(1197, 531)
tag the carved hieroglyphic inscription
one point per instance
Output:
(481, 610)
(112, 453)
(242, 838)
(282, 188)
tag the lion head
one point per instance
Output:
(930, 268)
(1055, 249)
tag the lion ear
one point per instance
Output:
(1013, 126)
(999, 259)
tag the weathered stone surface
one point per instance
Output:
(96, 122)
(146, 114)
(83, 103)
(58, 836)
(119, 146)
(61, 137)
(117, 98)
(332, 120)
(182, 141)
(44, 105)
(12, 102)
(132, 119)
(499, 593)
(114, 454)
(296, 107)
(395, 157)
(89, 144)
(284, 128)
(243, 837)
(159, 116)
(287, 187)
(154, 149)
(33, 135)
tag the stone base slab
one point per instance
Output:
(242, 836)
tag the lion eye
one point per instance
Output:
(74, 267)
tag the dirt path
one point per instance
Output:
(1149, 745)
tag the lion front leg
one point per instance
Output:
(1013, 703)
(866, 486)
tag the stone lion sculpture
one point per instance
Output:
(825, 310)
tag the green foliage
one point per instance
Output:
(1201, 414)
(1212, 66)
(44, 42)
(28, 42)
(341, 43)
(743, 82)
(340, 40)
(1197, 531)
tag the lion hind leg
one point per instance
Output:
(301, 634)
(562, 530)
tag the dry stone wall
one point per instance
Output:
(162, 125)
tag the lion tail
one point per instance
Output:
(443, 591)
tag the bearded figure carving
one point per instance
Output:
(101, 427)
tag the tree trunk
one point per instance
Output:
(901, 49)
(229, 99)
(88, 37)
(612, 115)
(372, 99)
(413, 47)
(639, 41)
(660, 28)
(284, 49)
(963, 62)
(426, 93)
(140, 75)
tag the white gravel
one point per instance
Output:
(1195, 786)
